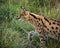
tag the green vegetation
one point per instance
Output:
(13, 33)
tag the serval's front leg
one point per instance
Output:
(43, 37)
(42, 41)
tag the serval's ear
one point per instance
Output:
(23, 10)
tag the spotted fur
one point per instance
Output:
(45, 26)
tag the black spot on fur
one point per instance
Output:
(39, 19)
(54, 32)
(52, 27)
(58, 24)
(58, 33)
(49, 23)
(53, 22)
(56, 28)
(46, 19)
(47, 29)
(39, 32)
(43, 24)
(50, 31)
(33, 16)
(36, 20)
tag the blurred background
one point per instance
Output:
(14, 34)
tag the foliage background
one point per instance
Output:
(14, 34)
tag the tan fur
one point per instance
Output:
(42, 25)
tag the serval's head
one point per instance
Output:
(29, 17)
(24, 15)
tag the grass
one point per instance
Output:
(13, 33)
